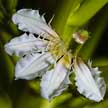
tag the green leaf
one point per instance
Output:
(86, 11)
(97, 28)
(75, 14)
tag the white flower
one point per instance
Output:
(88, 80)
(42, 56)
(46, 56)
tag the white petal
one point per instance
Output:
(33, 66)
(25, 44)
(54, 82)
(88, 81)
(30, 20)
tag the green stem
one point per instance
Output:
(77, 50)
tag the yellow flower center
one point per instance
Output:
(58, 49)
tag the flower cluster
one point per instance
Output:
(44, 55)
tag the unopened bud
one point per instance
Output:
(81, 36)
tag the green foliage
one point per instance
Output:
(70, 16)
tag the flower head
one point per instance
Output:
(42, 56)
(46, 56)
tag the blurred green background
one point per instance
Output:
(69, 17)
